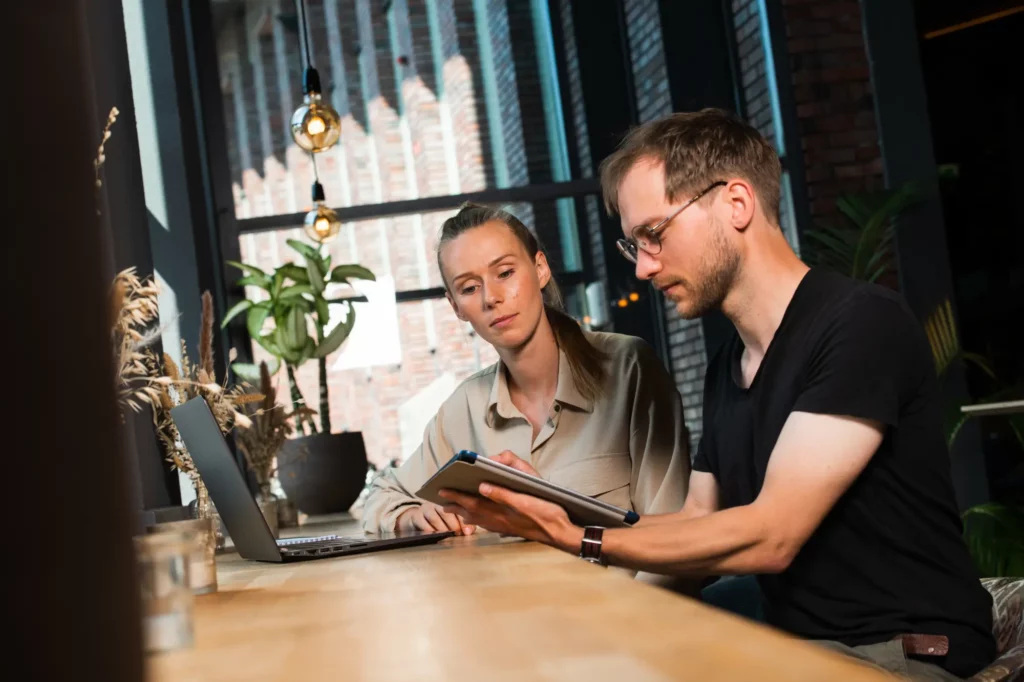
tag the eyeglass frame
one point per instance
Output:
(652, 232)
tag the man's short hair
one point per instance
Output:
(697, 149)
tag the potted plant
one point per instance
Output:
(861, 248)
(322, 472)
(994, 531)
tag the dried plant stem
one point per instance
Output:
(101, 155)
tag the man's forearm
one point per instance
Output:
(661, 519)
(734, 541)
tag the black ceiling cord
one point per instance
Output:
(304, 32)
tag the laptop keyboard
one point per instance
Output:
(308, 541)
(324, 544)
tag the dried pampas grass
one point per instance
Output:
(133, 311)
(156, 380)
(271, 426)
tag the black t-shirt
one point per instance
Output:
(889, 558)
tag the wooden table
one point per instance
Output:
(482, 609)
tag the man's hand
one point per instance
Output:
(503, 511)
(431, 518)
(509, 459)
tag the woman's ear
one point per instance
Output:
(455, 307)
(543, 270)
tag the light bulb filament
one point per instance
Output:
(316, 125)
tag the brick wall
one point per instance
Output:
(834, 100)
(464, 87)
(832, 93)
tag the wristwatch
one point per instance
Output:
(590, 549)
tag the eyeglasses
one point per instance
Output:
(647, 238)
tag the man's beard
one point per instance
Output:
(718, 270)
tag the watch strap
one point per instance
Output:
(590, 548)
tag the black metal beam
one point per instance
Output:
(609, 99)
(527, 193)
(222, 237)
(125, 220)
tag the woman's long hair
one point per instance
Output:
(586, 362)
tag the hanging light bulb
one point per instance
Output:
(321, 223)
(316, 126)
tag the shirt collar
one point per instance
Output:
(500, 401)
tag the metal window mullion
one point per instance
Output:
(527, 193)
(492, 99)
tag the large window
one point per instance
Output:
(441, 100)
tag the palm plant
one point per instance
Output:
(295, 304)
(994, 532)
(862, 248)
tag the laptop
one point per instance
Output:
(241, 515)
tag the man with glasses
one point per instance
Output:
(822, 467)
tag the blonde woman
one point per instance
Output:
(595, 412)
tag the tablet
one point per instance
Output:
(466, 471)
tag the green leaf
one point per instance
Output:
(855, 208)
(994, 534)
(294, 291)
(296, 326)
(327, 263)
(268, 343)
(351, 271)
(316, 278)
(258, 314)
(245, 267)
(337, 335)
(261, 281)
(239, 307)
(323, 311)
(956, 424)
(307, 351)
(275, 286)
(308, 252)
(863, 250)
(290, 355)
(302, 304)
(294, 272)
(250, 372)
(981, 362)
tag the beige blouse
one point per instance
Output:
(628, 448)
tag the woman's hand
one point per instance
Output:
(431, 518)
(509, 459)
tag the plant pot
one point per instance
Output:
(323, 473)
